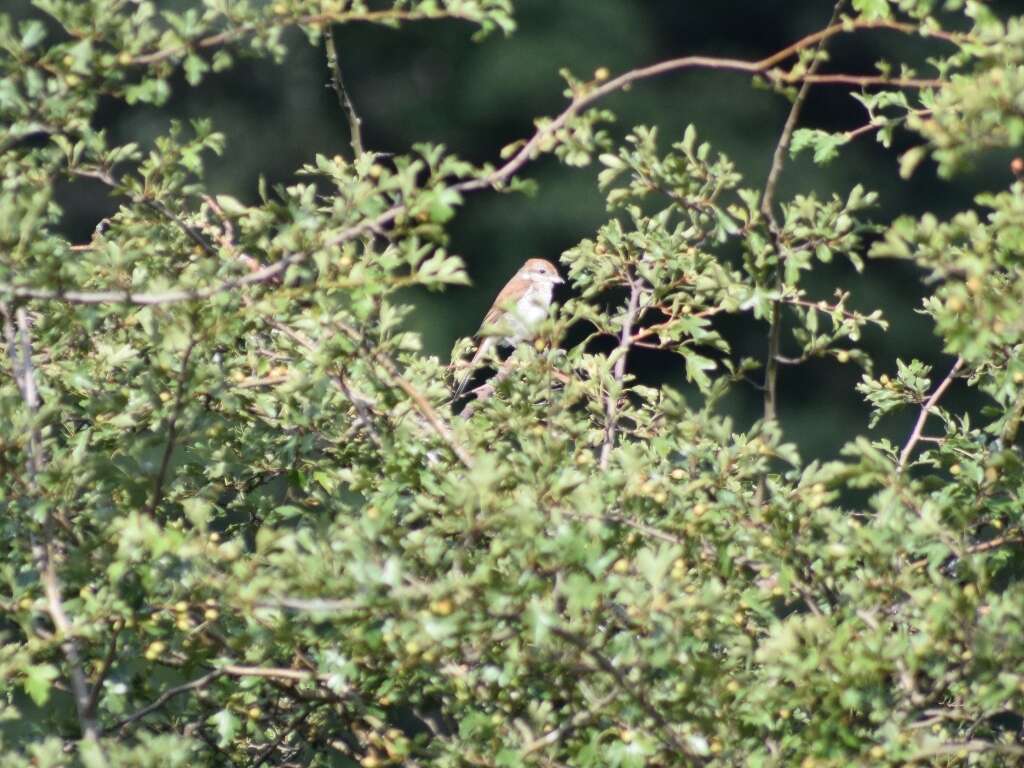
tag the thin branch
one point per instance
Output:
(771, 370)
(297, 721)
(922, 417)
(427, 411)
(580, 718)
(232, 670)
(280, 673)
(354, 122)
(172, 427)
(105, 177)
(625, 341)
(974, 746)
(613, 518)
(19, 345)
(319, 19)
(108, 662)
(1012, 537)
(670, 736)
(166, 696)
(486, 390)
(127, 296)
(359, 403)
(764, 67)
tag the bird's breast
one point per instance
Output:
(530, 311)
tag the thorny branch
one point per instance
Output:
(771, 370)
(667, 731)
(354, 122)
(915, 435)
(108, 662)
(172, 427)
(766, 67)
(625, 342)
(19, 346)
(166, 696)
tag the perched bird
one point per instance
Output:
(518, 310)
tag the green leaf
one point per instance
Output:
(873, 9)
(38, 682)
(226, 724)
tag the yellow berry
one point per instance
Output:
(601, 73)
(442, 607)
(155, 649)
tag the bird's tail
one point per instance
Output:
(460, 384)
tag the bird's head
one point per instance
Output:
(540, 271)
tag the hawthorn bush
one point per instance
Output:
(244, 524)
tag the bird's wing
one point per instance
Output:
(503, 302)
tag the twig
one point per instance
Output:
(619, 519)
(232, 670)
(108, 661)
(354, 121)
(764, 67)
(235, 33)
(166, 696)
(922, 417)
(974, 746)
(557, 734)
(771, 370)
(363, 414)
(20, 341)
(1013, 537)
(427, 411)
(264, 753)
(486, 390)
(619, 372)
(281, 673)
(105, 177)
(172, 427)
(623, 682)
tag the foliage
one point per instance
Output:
(244, 524)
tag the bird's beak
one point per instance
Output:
(557, 280)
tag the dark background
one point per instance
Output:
(430, 82)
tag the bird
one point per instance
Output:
(517, 311)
